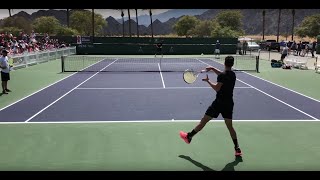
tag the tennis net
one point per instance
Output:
(106, 64)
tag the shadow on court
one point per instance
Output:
(228, 167)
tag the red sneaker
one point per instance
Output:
(238, 152)
(184, 136)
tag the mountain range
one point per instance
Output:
(162, 23)
(163, 17)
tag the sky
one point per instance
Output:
(104, 12)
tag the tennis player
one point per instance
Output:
(159, 48)
(222, 104)
(217, 50)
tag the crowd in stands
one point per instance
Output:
(25, 43)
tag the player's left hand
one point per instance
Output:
(209, 68)
(206, 79)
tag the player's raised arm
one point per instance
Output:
(211, 68)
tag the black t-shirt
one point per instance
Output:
(218, 45)
(159, 45)
(314, 44)
(225, 94)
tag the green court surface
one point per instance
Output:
(275, 146)
(156, 146)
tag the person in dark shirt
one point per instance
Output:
(244, 47)
(222, 104)
(217, 50)
(313, 48)
(159, 48)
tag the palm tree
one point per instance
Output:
(67, 17)
(92, 25)
(150, 13)
(129, 22)
(293, 13)
(263, 22)
(278, 25)
(137, 22)
(9, 12)
(122, 14)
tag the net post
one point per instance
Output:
(62, 63)
(257, 64)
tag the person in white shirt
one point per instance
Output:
(5, 71)
(284, 52)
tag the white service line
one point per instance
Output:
(164, 86)
(69, 92)
(43, 88)
(245, 87)
(153, 121)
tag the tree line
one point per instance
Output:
(80, 24)
(226, 24)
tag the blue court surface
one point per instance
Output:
(155, 96)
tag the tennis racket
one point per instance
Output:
(190, 76)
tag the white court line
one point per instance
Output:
(278, 100)
(274, 97)
(69, 92)
(45, 87)
(164, 86)
(283, 87)
(275, 84)
(153, 121)
(202, 62)
(245, 87)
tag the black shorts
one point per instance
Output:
(159, 50)
(225, 108)
(5, 76)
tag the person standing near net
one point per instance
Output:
(159, 48)
(5, 71)
(217, 50)
(244, 47)
(284, 52)
(222, 104)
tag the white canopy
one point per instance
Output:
(245, 39)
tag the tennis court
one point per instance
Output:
(126, 113)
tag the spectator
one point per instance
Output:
(314, 44)
(25, 43)
(299, 48)
(244, 47)
(284, 52)
(293, 47)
